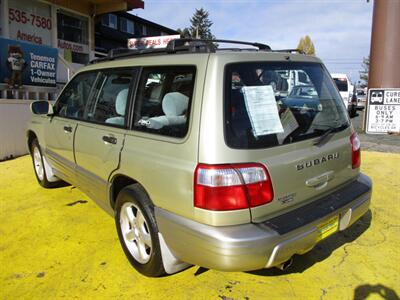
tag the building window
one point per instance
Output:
(110, 20)
(127, 26)
(144, 30)
(73, 37)
(72, 28)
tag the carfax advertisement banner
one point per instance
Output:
(27, 64)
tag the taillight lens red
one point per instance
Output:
(355, 151)
(231, 187)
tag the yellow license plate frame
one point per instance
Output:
(328, 227)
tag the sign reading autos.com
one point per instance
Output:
(383, 111)
(24, 63)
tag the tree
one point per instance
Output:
(306, 45)
(184, 32)
(201, 25)
(364, 72)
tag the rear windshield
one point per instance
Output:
(276, 103)
(341, 84)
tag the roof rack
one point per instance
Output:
(190, 42)
(237, 49)
(290, 51)
(120, 53)
(176, 46)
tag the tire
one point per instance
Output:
(137, 230)
(38, 166)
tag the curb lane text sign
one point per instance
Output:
(383, 111)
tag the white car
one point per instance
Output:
(344, 86)
(361, 97)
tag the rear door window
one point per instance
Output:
(271, 104)
(110, 98)
(163, 100)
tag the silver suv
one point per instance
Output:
(205, 156)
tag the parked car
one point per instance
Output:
(361, 97)
(199, 161)
(304, 91)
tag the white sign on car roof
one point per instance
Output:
(152, 42)
(383, 111)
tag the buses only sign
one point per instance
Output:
(383, 111)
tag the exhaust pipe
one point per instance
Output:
(283, 266)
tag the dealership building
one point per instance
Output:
(43, 43)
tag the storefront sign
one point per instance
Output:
(27, 64)
(383, 111)
(74, 47)
(30, 21)
(151, 42)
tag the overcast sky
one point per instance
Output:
(340, 29)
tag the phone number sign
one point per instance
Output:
(383, 111)
(30, 21)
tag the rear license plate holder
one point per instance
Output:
(328, 227)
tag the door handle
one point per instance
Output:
(67, 129)
(109, 139)
(320, 181)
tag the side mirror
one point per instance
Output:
(42, 108)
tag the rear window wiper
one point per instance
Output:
(327, 133)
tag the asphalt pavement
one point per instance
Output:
(375, 142)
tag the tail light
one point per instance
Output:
(355, 151)
(231, 187)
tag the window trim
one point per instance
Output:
(154, 135)
(225, 109)
(130, 101)
(66, 86)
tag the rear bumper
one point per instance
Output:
(263, 245)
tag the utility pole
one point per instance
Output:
(385, 45)
(383, 107)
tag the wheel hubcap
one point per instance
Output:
(135, 232)
(37, 160)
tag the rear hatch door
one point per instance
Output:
(303, 172)
(300, 131)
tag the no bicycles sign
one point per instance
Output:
(383, 111)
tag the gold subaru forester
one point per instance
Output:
(232, 159)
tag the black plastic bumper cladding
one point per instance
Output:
(319, 208)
